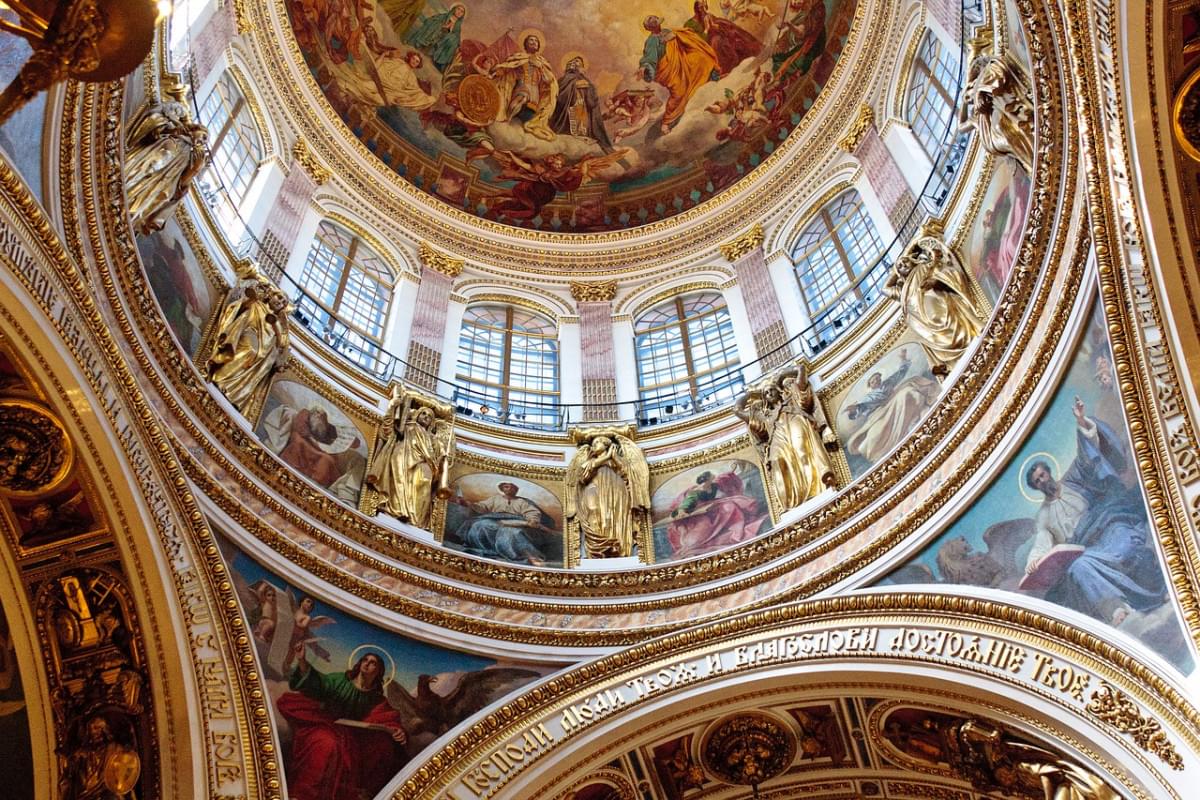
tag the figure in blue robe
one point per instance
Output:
(439, 36)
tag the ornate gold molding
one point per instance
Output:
(241, 15)
(744, 244)
(309, 163)
(858, 129)
(439, 261)
(595, 292)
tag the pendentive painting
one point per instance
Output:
(183, 292)
(316, 438)
(505, 518)
(709, 507)
(1018, 45)
(884, 405)
(353, 703)
(1066, 520)
(995, 238)
(16, 748)
(603, 115)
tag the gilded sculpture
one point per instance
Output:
(607, 497)
(792, 441)
(251, 342)
(938, 299)
(998, 105)
(412, 463)
(164, 151)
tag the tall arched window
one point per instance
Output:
(347, 291)
(236, 148)
(687, 356)
(931, 94)
(833, 251)
(508, 365)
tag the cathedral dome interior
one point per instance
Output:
(730, 399)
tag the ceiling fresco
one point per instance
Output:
(612, 116)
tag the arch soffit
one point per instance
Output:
(914, 32)
(393, 258)
(477, 291)
(837, 183)
(711, 277)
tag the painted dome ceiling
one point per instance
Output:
(601, 116)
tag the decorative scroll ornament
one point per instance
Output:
(88, 40)
(792, 441)
(1185, 116)
(35, 452)
(412, 464)
(1117, 709)
(307, 161)
(440, 262)
(748, 242)
(251, 341)
(938, 298)
(998, 104)
(607, 499)
(164, 151)
(241, 14)
(858, 129)
(748, 750)
(600, 292)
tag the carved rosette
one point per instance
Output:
(35, 453)
(749, 749)
(747, 243)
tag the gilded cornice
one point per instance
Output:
(440, 262)
(858, 129)
(594, 292)
(310, 163)
(744, 244)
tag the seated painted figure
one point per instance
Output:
(503, 526)
(1117, 572)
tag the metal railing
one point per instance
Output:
(714, 391)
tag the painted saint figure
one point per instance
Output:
(801, 39)
(681, 60)
(716, 512)
(397, 71)
(439, 36)
(528, 88)
(731, 43)
(503, 526)
(889, 409)
(577, 110)
(347, 739)
(323, 452)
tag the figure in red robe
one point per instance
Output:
(714, 513)
(347, 740)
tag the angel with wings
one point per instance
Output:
(608, 492)
(413, 462)
(303, 625)
(539, 182)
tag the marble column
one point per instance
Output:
(428, 335)
(281, 230)
(881, 170)
(767, 327)
(598, 366)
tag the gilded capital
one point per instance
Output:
(746, 243)
(241, 14)
(600, 292)
(440, 262)
(305, 158)
(858, 129)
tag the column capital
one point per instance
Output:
(858, 129)
(597, 292)
(439, 261)
(309, 163)
(745, 243)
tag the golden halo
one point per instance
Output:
(377, 650)
(541, 37)
(1025, 490)
(562, 64)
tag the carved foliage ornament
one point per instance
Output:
(747, 243)
(600, 292)
(1118, 709)
(858, 129)
(748, 749)
(308, 162)
(440, 262)
(35, 453)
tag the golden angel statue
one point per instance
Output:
(251, 342)
(939, 303)
(164, 151)
(412, 463)
(998, 105)
(791, 439)
(608, 492)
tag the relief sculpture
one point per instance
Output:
(164, 151)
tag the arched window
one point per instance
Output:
(686, 356)
(347, 291)
(508, 365)
(833, 250)
(931, 94)
(236, 150)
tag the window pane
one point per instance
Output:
(833, 250)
